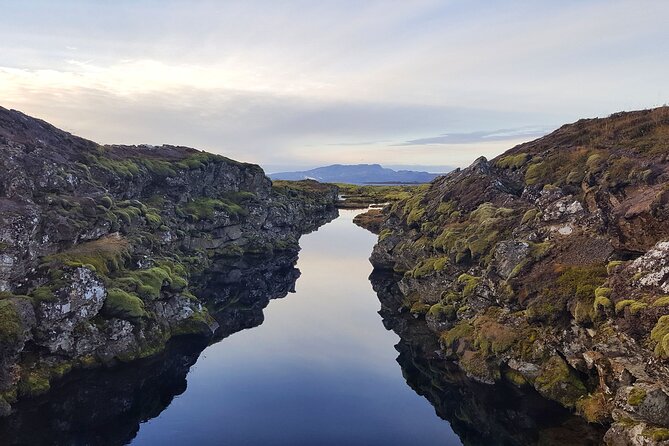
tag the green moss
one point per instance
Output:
(612, 265)
(636, 396)
(105, 255)
(124, 305)
(602, 292)
(594, 408)
(10, 323)
(535, 173)
(443, 311)
(34, 382)
(470, 283)
(107, 202)
(661, 301)
(419, 308)
(153, 219)
(512, 161)
(559, 382)
(460, 331)
(660, 334)
(601, 303)
(656, 433)
(515, 378)
(529, 216)
(205, 208)
(633, 306)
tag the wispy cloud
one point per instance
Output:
(309, 83)
(481, 136)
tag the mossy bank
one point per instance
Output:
(548, 267)
(102, 248)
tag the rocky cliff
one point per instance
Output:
(104, 249)
(548, 268)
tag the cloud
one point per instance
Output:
(302, 83)
(481, 136)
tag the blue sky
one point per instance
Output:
(296, 84)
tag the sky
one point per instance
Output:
(299, 84)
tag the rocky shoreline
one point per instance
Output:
(546, 268)
(106, 251)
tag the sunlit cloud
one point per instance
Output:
(294, 84)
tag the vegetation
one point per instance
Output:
(123, 305)
(636, 396)
(355, 196)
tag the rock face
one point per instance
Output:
(107, 405)
(102, 248)
(547, 267)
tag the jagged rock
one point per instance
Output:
(555, 258)
(107, 243)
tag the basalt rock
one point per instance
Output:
(547, 267)
(102, 247)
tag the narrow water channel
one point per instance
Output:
(321, 368)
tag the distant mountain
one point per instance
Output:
(357, 174)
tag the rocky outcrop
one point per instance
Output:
(108, 404)
(103, 248)
(546, 267)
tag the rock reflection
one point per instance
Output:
(106, 406)
(480, 414)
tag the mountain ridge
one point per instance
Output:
(357, 174)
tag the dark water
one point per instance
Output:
(320, 367)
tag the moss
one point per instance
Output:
(443, 311)
(419, 308)
(470, 283)
(594, 408)
(153, 219)
(43, 293)
(529, 216)
(633, 305)
(612, 265)
(476, 364)
(656, 433)
(559, 382)
(11, 327)
(602, 292)
(602, 303)
(460, 331)
(492, 337)
(535, 173)
(124, 305)
(636, 396)
(512, 161)
(661, 301)
(515, 378)
(107, 202)
(34, 382)
(205, 208)
(105, 254)
(660, 334)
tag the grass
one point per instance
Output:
(104, 255)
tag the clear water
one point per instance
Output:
(321, 369)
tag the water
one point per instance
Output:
(321, 369)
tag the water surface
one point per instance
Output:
(321, 369)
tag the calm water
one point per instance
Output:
(321, 369)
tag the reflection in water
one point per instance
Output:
(106, 406)
(321, 369)
(480, 414)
